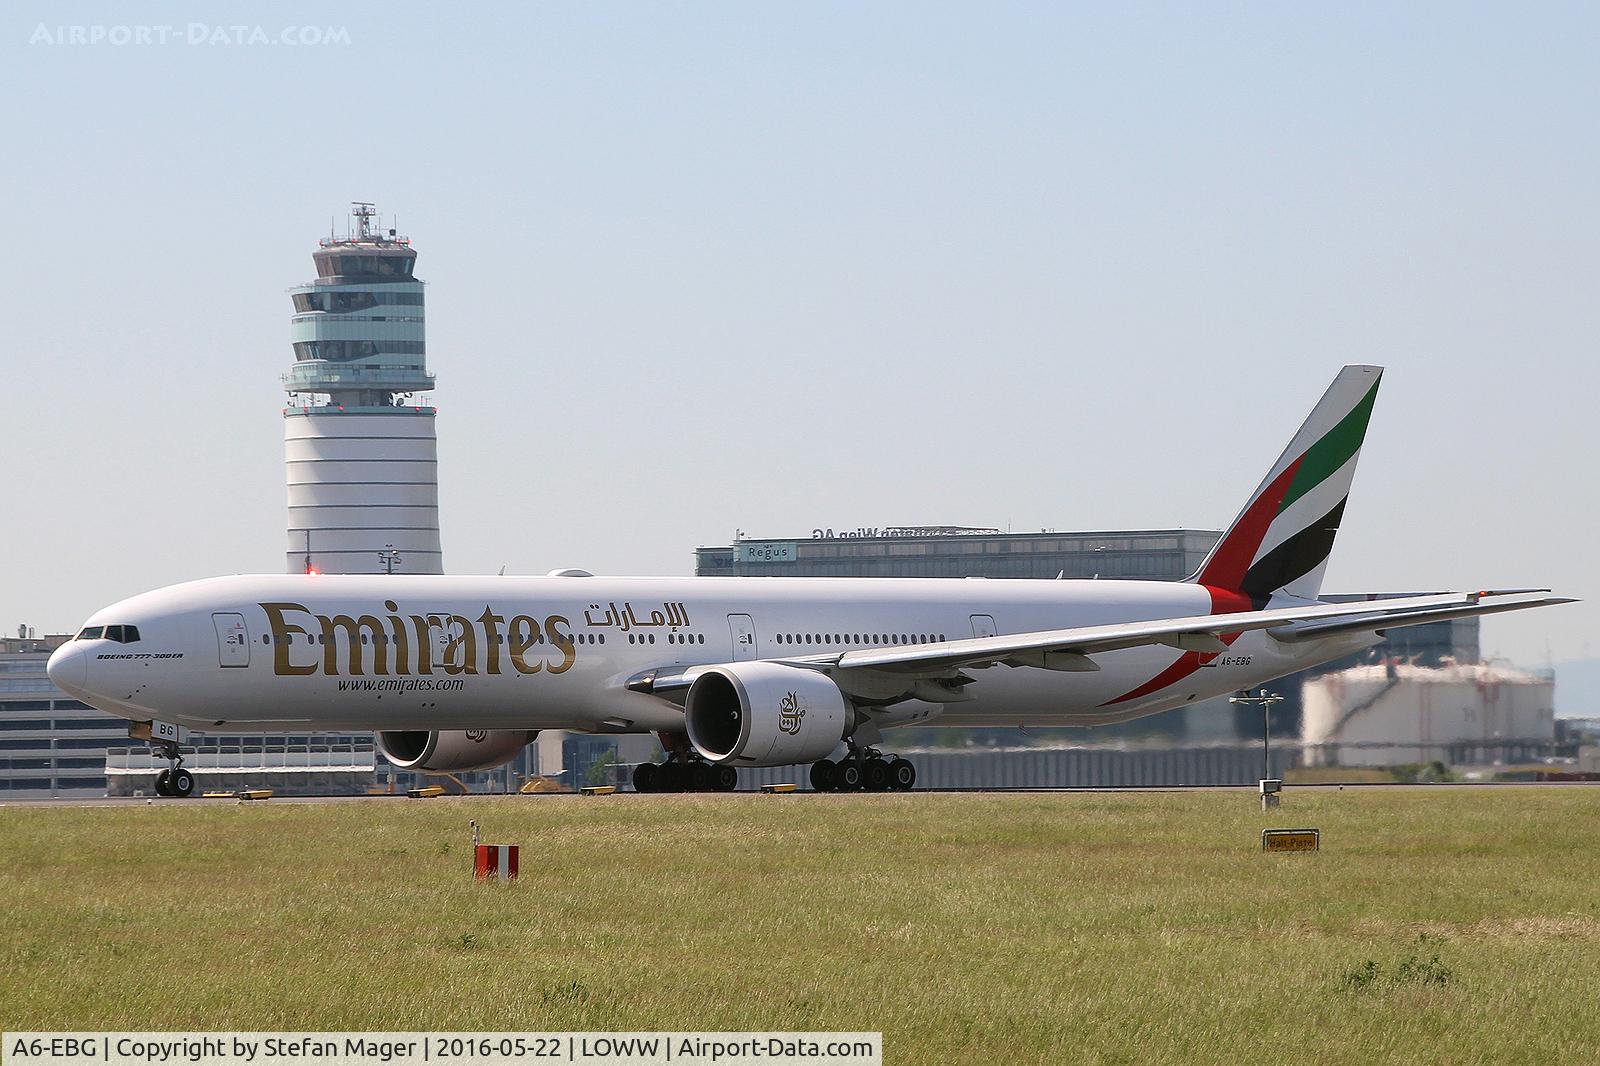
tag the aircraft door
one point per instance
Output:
(233, 639)
(743, 630)
(983, 625)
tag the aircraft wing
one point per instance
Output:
(1202, 633)
(1073, 649)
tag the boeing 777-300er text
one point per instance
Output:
(459, 673)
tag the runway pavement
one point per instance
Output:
(128, 801)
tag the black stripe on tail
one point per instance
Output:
(1294, 558)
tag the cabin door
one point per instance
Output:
(233, 640)
(743, 631)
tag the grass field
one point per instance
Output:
(1450, 926)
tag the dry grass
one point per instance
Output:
(1439, 926)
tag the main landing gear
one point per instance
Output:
(684, 771)
(175, 780)
(864, 770)
(684, 775)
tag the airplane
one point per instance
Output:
(460, 673)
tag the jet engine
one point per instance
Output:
(765, 714)
(453, 750)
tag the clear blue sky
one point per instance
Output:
(701, 267)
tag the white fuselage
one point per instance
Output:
(303, 653)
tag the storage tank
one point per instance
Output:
(1389, 714)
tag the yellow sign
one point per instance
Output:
(1291, 840)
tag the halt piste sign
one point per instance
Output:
(1291, 840)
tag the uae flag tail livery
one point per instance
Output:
(1279, 544)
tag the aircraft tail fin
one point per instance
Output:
(1281, 540)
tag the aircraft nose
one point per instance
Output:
(69, 668)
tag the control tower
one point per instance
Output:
(359, 446)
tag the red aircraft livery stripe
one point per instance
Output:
(1223, 601)
(1235, 554)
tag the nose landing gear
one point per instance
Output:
(174, 781)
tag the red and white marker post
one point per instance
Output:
(491, 862)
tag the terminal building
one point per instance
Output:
(51, 745)
(961, 551)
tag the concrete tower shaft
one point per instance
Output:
(359, 447)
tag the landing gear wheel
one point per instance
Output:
(181, 783)
(824, 776)
(644, 777)
(877, 774)
(847, 777)
(724, 779)
(669, 778)
(902, 775)
(699, 775)
(164, 783)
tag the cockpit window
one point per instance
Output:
(120, 634)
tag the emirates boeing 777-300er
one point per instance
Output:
(459, 673)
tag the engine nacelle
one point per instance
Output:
(453, 750)
(765, 714)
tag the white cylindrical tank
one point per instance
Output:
(360, 482)
(1388, 714)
